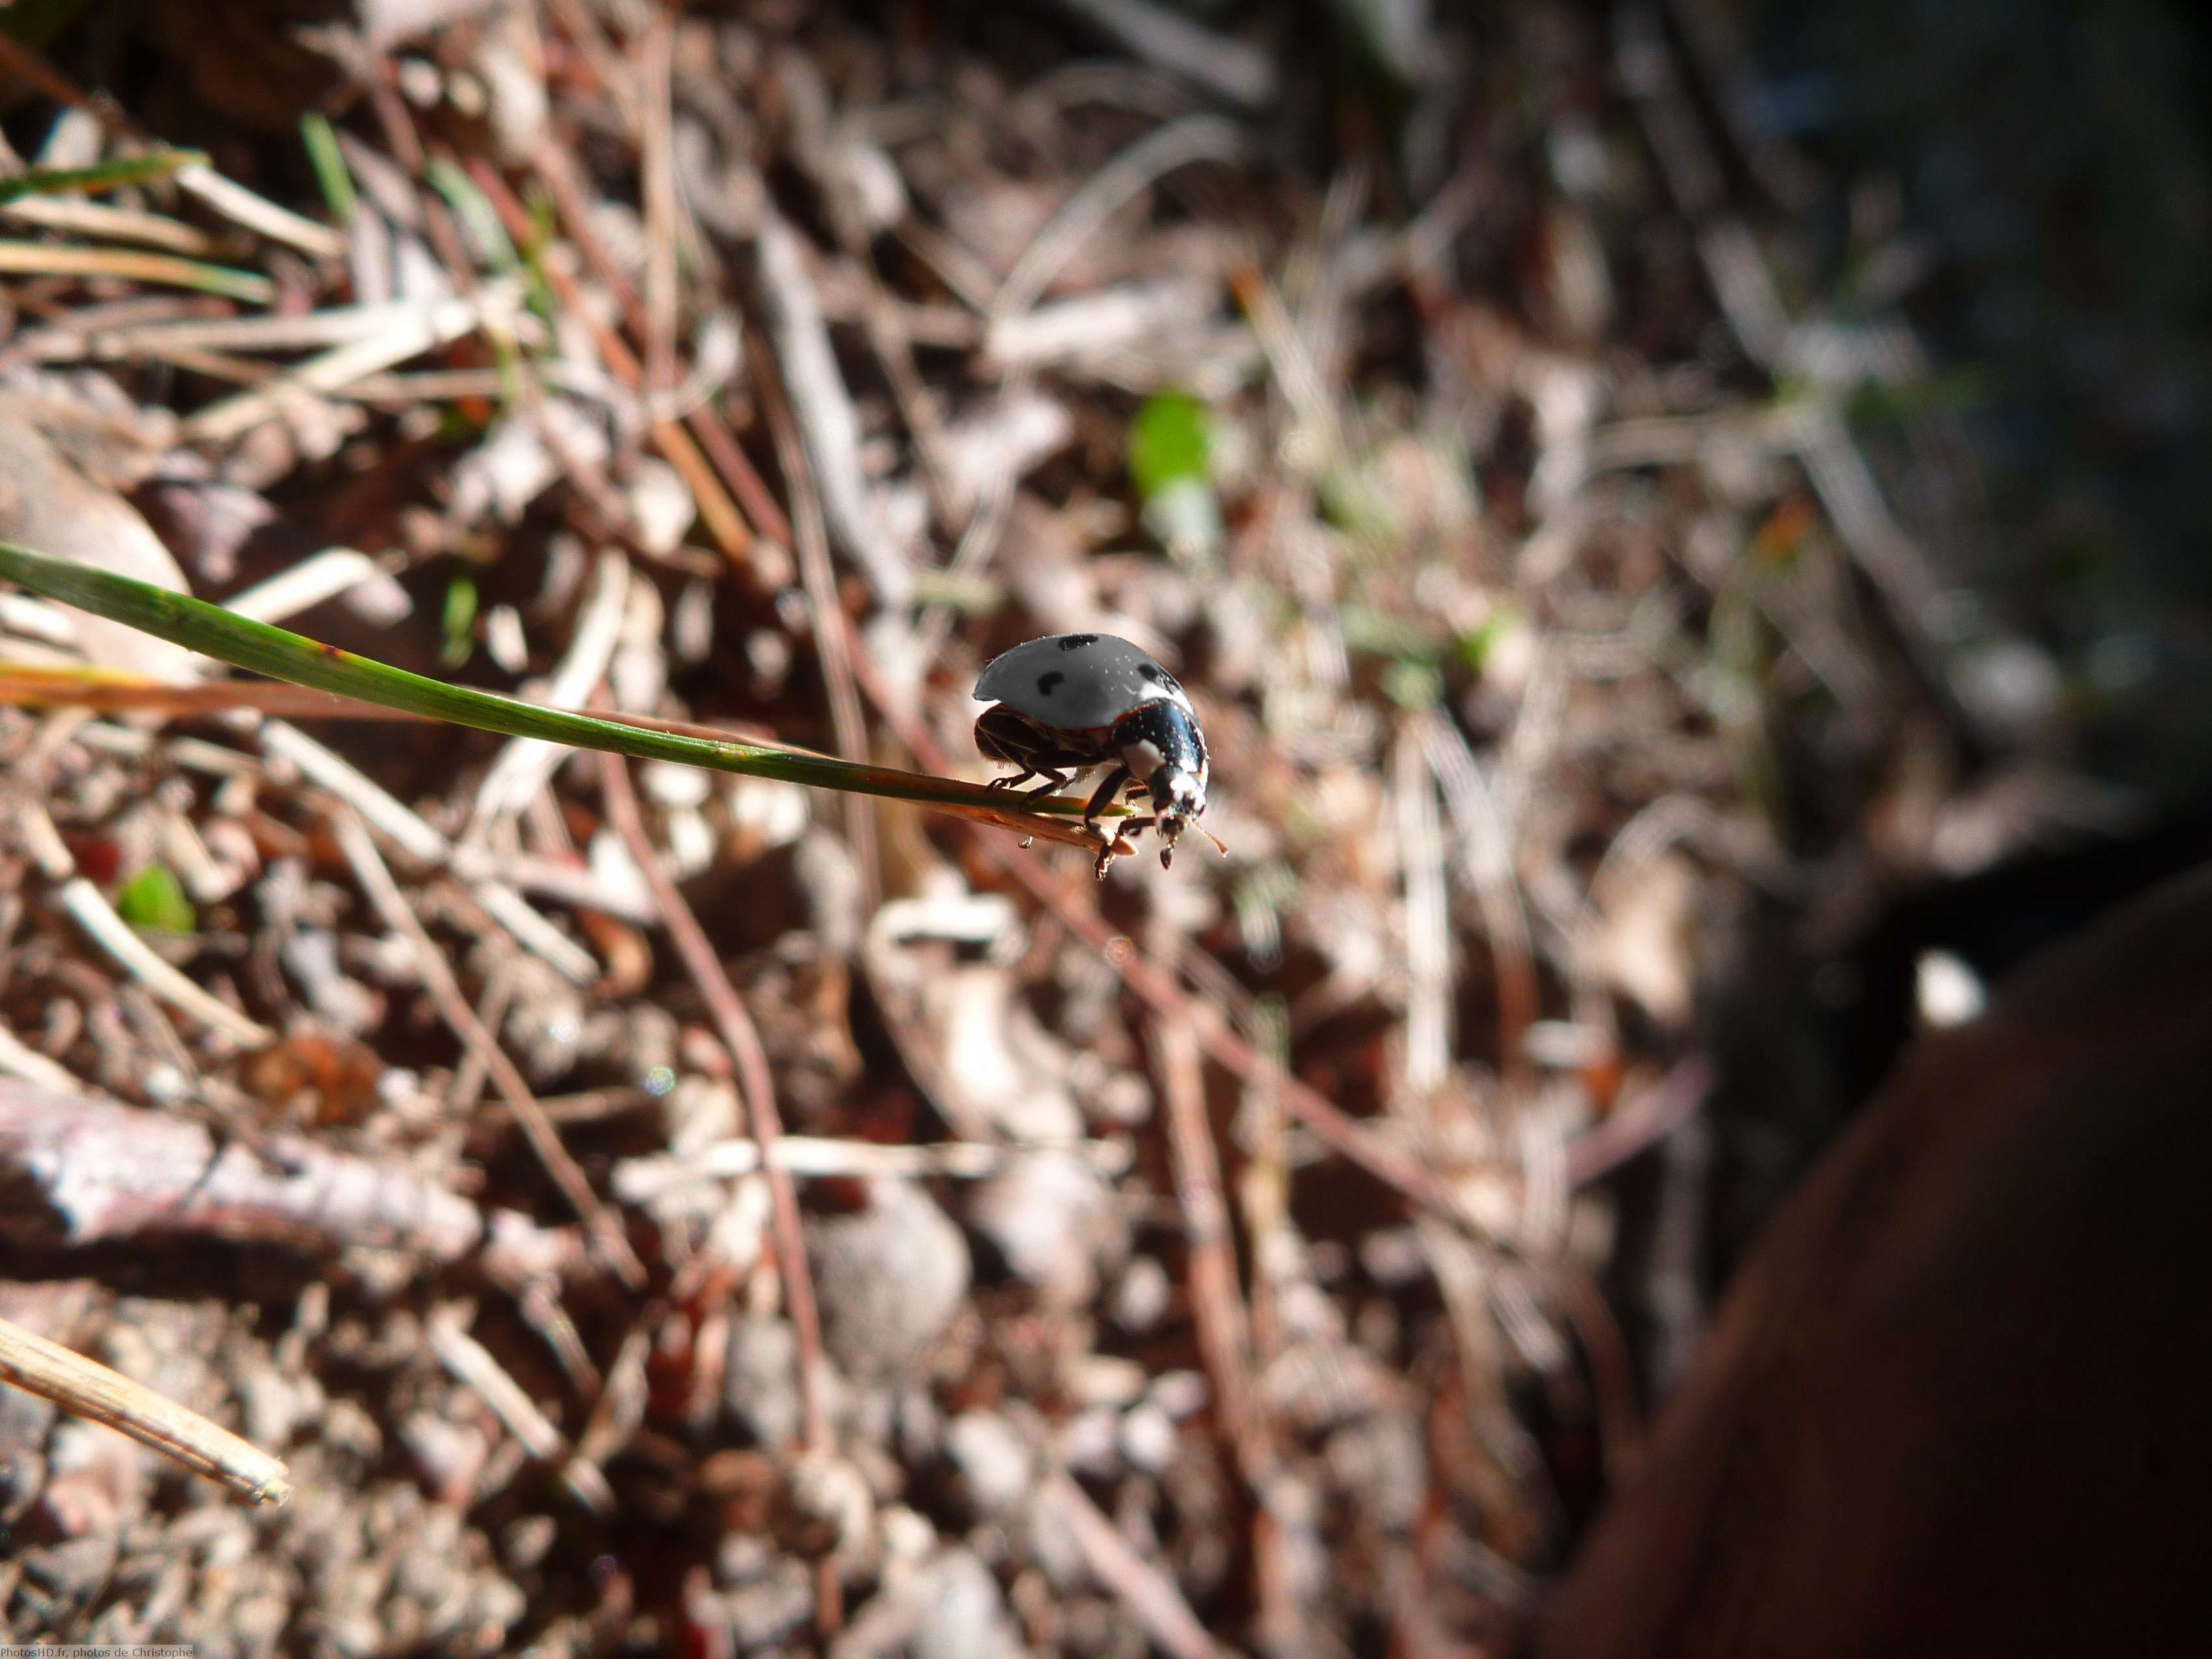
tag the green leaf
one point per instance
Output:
(209, 629)
(154, 899)
(1169, 442)
(1473, 647)
(459, 621)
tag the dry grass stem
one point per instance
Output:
(54, 260)
(640, 1180)
(86, 1388)
(833, 641)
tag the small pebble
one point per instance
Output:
(965, 1613)
(1141, 1299)
(993, 1458)
(1148, 1438)
(1088, 1442)
(1179, 1393)
(890, 1279)
(525, 1541)
(1101, 1379)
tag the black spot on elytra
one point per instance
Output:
(1153, 672)
(1077, 641)
(1048, 683)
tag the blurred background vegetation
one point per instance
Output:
(2049, 164)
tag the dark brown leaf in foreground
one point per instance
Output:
(1956, 1403)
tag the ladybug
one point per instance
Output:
(1067, 702)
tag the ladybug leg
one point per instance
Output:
(1011, 779)
(1100, 800)
(1102, 797)
(1052, 784)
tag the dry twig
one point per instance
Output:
(823, 408)
(1217, 1303)
(832, 639)
(86, 1388)
(103, 1171)
(1149, 1593)
(1218, 64)
(446, 991)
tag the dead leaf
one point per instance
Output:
(51, 507)
(1642, 943)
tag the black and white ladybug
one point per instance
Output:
(1067, 702)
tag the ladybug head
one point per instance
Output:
(1177, 798)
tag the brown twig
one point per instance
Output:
(474, 1364)
(1225, 1329)
(1160, 152)
(557, 170)
(1225, 1333)
(1150, 1595)
(1612, 1372)
(1645, 1118)
(822, 407)
(453, 1007)
(1488, 860)
(1156, 986)
(1428, 1041)
(1751, 300)
(832, 639)
(1436, 1107)
(743, 1043)
(657, 189)
(1220, 64)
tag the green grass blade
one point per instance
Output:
(321, 143)
(215, 632)
(107, 176)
